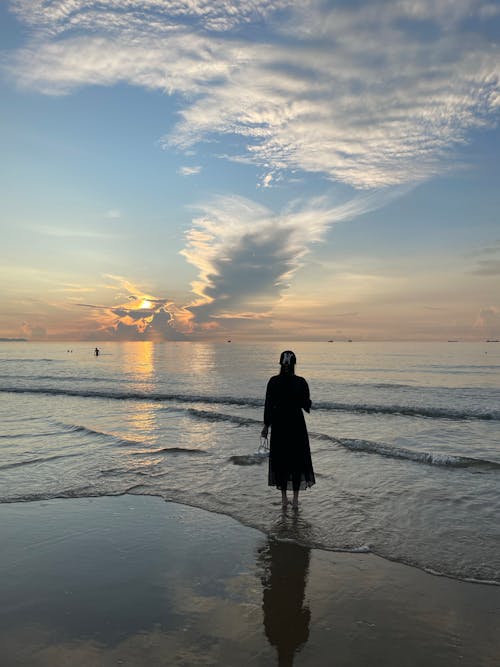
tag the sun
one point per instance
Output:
(145, 304)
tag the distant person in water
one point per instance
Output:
(290, 465)
(96, 352)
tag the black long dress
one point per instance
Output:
(290, 465)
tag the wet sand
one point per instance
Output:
(132, 580)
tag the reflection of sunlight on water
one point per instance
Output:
(141, 421)
(197, 434)
(142, 464)
(138, 361)
(201, 358)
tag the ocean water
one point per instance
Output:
(405, 439)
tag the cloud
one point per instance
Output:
(488, 250)
(246, 255)
(139, 315)
(59, 16)
(33, 332)
(370, 94)
(488, 320)
(487, 265)
(132, 322)
(68, 232)
(189, 171)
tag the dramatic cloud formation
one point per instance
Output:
(370, 94)
(246, 255)
(140, 317)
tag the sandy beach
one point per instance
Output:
(132, 580)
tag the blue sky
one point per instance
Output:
(282, 170)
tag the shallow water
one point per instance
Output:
(404, 438)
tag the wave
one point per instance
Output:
(63, 378)
(44, 459)
(14, 360)
(135, 396)
(171, 450)
(470, 580)
(76, 428)
(358, 445)
(389, 451)
(356, 408)
(209, 415)
(409, 411)
(18, 436)
(352, 444)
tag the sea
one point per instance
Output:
(405, 439)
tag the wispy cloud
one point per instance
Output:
(487, 267)
(68, 232)
(189, 171)
(372, 94)
(487, 264)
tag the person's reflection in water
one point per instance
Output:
(285, 568)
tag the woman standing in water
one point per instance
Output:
(290, 465)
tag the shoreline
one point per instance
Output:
(354, 551)
(135, 579)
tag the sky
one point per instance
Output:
(250, 170)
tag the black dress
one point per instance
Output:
(290, 465)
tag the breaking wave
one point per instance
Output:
(435, 459)
(357, 445)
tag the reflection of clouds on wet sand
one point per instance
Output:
(138, 582)
(135, 581)
(198, 627)
(155, 647)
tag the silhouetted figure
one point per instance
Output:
(286, 618)
(96, 352)
(290, 465)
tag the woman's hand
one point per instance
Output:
(263, 433)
